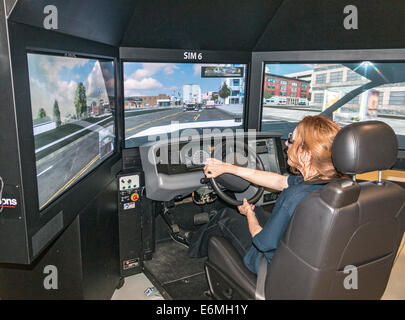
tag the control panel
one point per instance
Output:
(129, 191)
(129, 182)
(130, 211)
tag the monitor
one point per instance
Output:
(348, 86)
(162, 100)
(72, 105)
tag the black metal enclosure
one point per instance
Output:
(22, 39)
(227, 31)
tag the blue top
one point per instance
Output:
(267, 240)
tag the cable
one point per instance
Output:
(1, 194)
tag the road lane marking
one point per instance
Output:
(75, 177)
(148, 122)
(166, 129)
(44, 171)
(70, 135)
(197, 116)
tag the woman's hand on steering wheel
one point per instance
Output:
(246, 207)
(227, 176)
(214, 168)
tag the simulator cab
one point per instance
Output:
(103, 170)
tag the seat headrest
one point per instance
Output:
(364, 146)
(340, 193)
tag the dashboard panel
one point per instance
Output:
(174, 168)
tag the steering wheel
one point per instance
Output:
(232, 182)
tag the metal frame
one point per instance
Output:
(10, 166)
(52, 220)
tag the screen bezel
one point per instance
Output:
(141, 55)
(44, 227)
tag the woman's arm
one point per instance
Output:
(275, 181)
(254, 226)
(248, 210)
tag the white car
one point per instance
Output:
(210, 104)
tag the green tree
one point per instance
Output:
(41, 113)
(224, 92)
(267, 94)
(80, 100)
(56, 114)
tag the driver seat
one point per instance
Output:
(345, 224)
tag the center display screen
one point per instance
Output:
(165, 99)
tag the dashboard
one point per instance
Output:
(174, 168)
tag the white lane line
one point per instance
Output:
(45, 171)
(175, 126)
(70, 135)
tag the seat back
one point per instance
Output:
(345, 224)
(343, 239)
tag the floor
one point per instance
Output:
(176, 276)
(135, 286)
(180, 277)
(396, 284)
(134, 289)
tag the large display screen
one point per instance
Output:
(165, 99)
(72, 103)
(359, 91)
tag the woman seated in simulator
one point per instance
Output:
(255, 231)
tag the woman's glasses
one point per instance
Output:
(290, 139)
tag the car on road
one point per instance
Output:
(106, 141)
(193, 107)
(302, 102)
(210, 104)
(282, 101)
(189, 107)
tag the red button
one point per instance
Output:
(134, 197)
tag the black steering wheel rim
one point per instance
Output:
(256, 197)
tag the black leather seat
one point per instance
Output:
(344, 224)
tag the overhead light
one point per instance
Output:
(367, 64)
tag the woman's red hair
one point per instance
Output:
(315, 134)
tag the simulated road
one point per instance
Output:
(61, 169)
(136, 124)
